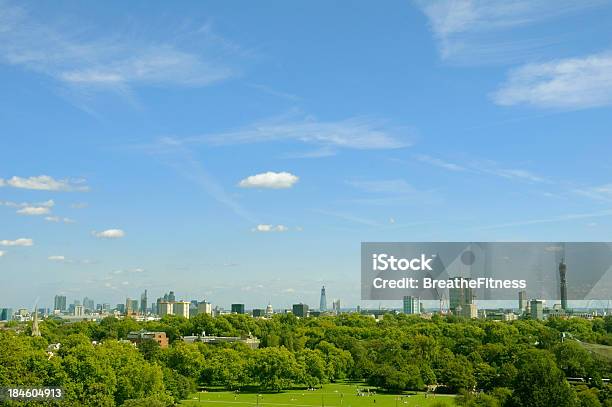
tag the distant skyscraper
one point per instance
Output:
(143, 303)
(300, 310)
(237, 308)
(171, 296)
(563, 284)
(537, 309)
(6, 314)
(131, 306)
(120, 308)
(336, 307)
(323, 302)
(60, 303)
(88, 304)
(78, 311)
(412, 305)
(460, 296)
(522, 301)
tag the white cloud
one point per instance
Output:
(2, 253)
(484, 31)
(86, 57)
(273, 180)
(573, 83)
(33, 210)
(110, 234)
(56, 258)
(79, 205)
(18, 242)
(598, 193)
(46, 183)
(270, 228)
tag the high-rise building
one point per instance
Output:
(336, 307)
(6, 314)
(205, 308)
(143, 303)
(120, 308)
(78, 310)
(237, 308)
(165, 308)
(412, 305)
(88, 304)
(131, 306)
(181, 308)
(171, 296)
(537, 309)
(460, 296)
(259, 313)
(106, 307)
(300, 310)
(563, 284)
(59, 303)
(35, 328)
(323, 302)
(522, 301)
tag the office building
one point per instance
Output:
(106, 307)
(88, 304)
(79, 310)
(323, 301)
(120, 308)
(205, 307)
(563, 284)
(522, 301)
(181, 308)
(336, 307)
(6, 314)
(300, 310)
(237, 308)
(165, 308)
(171, 296)
(131, 306)
(259, 313)
(143, 303)
(60, 303)
(460, 296)
(537, 309)
(412, 305)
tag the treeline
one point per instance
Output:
(519, 363)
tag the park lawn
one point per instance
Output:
(332, 395)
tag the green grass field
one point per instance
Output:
(332, 395)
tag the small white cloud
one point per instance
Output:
(125, 282)
(110, 234)
(57, 219)
(79, 205)
(56, 258)
(18, 242)
(2, 253)
(46, 183)
(273, 180)
(270, 228)
(33, 210)
(392, 220)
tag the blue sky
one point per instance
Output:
(241, 153)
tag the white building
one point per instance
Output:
(181, 308)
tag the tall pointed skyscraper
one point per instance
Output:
(323, 303)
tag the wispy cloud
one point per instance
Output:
(359, 133)
(476, 31)
(554, 219)
(573, 83)
(57, 258)
(599, 193)
(33, 210)
(439, 163)
(45, 183)
(57, 219)
(90, 57)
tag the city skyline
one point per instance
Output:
(211, 154)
